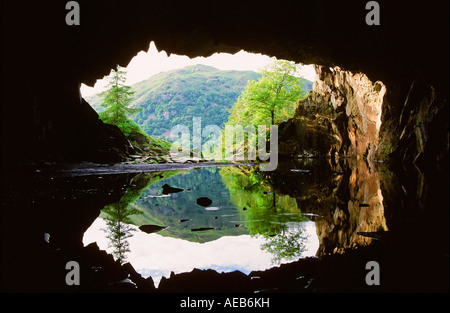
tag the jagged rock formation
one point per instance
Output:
(348, 115)
(415, 126)
(341, 116)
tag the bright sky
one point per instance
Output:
(146, 64)
(155, 255)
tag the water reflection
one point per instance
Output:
(118, 229)
(268, 213)
(256, 219)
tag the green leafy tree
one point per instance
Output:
(116, 100)
(272, 98)
(288, 245)
(267, 101)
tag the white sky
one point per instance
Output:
(146, 64)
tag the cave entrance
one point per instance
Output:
(253, 220)
(173, 89)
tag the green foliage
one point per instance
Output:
(117, 217)
(330, 106)
(271, 99)
(268, 213)
(116, 100)
(248, 188)
(176, 96)
(387, 149)
(164, 145)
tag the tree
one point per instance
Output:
(269, 213)
(118, 228)
(272, 98)
(117, 97)
(288, 245)
(116, 216)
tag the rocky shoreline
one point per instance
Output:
(53, 169)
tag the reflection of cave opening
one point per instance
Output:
(257, 238)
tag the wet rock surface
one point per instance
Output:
(168, 189)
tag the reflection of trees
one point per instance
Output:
(268, 213)
(117, 216)
(288, 245)
(118, 228)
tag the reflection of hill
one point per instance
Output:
(342, 199)
(168, 211)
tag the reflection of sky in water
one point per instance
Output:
(155, 255)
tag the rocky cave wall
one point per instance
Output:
(348, 115)
(340, 117)
(45, 61)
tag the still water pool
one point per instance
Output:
(247, 226)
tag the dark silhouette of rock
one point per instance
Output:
(204, 201)
(168, 189)
(202, 228)
(151, 228)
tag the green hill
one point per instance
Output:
(176, 96)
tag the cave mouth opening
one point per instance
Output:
(353, 100)
(154, 61)
(336, 89)
(170, 89)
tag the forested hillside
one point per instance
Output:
(176, 96)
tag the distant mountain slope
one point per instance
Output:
(175, 97)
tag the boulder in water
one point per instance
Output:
(151, 228)
(204, 201)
